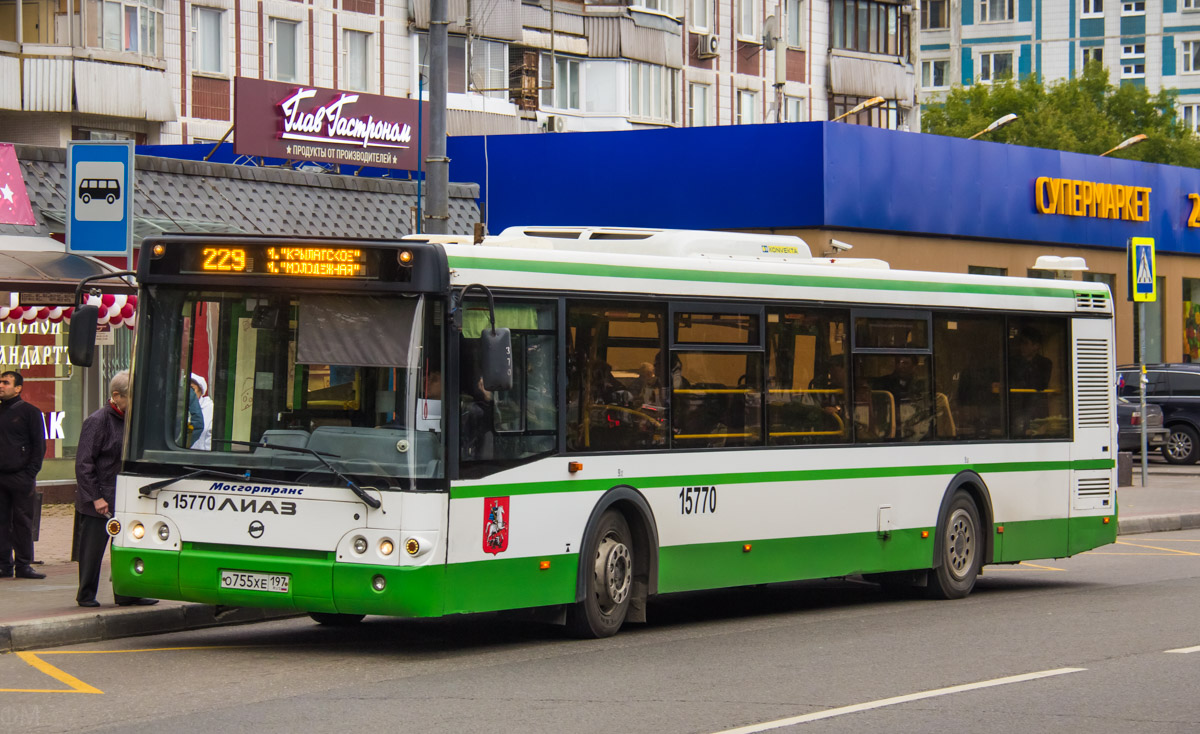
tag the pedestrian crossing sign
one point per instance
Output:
(1142, 270)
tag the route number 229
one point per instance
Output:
(697, 500)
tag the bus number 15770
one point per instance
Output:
(697, 500)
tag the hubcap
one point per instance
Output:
(613, 573)
(1179, 445)
(960, 543)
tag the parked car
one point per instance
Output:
(1176, 389)
(1129, 426)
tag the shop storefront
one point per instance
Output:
(917, 201)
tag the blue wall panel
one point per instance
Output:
(830, 175)
(1091, 27)
(1133, 25)
(1168, 60)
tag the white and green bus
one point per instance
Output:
(574, 420)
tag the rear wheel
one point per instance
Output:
(961, 555)
(1183, 445)
(336, 620)
(608, 580)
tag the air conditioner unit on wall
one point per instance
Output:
(556, 124)
(708, 45)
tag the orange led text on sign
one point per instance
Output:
(318, 261)
(1073, 198)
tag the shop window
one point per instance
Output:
(1191, 320)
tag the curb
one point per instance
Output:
(1157, 523)
(97, 627)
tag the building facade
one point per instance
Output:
(163, 71)
(1150, 43)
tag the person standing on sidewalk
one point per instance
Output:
(22, 448)
(97, 462)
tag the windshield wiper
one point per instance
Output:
(320, 456)
(192, 473)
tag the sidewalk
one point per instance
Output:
(38, 614)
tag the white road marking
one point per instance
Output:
(830, 713)
(1186, 649)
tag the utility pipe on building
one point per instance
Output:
(437, 165)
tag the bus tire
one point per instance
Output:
(608, 584)
(962, 550)
(336, 620)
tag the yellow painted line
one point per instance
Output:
(76, 685)
(1110, 553)
(1019, 566)
(1172, 551)
(830, 713)
(1186, 649)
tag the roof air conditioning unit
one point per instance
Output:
(709, 45)
(556, 124)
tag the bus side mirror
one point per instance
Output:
(81, 341)
(497, 359)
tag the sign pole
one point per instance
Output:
(1142, 281)
(1142, 388)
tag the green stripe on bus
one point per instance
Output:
(805, 475)
(811, 281)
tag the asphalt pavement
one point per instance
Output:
(43, 613)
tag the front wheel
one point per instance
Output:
(608, 580)
(336, 620)
(1183, 445)
(961, 558)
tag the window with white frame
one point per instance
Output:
(701, 14)
(1191, 4)
(995, 66)
(356, 60)
(560, 82)
(666, 7)
(1092, 8)
(935, 14)
(1133, 49)
(651, 92)
(993, 11)
(489, 68)
(456, 61)
(795, 109)
(208, 40)
(1133, 7)
(1191, 116)
(1093, 53)
(747, 107)
(699, 105)
(283, 52)
(794, 21)
(134, 26)
(747, 19)
(935, 73)
(1133, 61)
(1191, 57)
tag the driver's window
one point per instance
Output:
(616, 369)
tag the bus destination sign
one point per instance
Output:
(301, 261)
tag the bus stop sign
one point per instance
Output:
(1142, 269)
(100, 199)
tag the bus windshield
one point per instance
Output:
(234, 380)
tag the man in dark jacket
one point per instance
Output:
(97, 462)
(22, 448)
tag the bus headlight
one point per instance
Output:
(378, 583)
(360, 545)
(386, 547)
(137, 530)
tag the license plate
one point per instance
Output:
(251, 581)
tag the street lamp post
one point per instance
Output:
(996, 125)
(1126, 143)
(872, 102)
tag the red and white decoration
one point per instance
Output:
(115, 310)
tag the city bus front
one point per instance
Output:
(285, 446)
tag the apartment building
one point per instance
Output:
(163, 71)
(1151, 43)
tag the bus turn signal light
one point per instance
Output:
(544, 565)
(1106, 521)
(575, 466)
(746, 547)
(924, 534)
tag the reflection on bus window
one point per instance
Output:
(807, 377)
(1038, 396)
